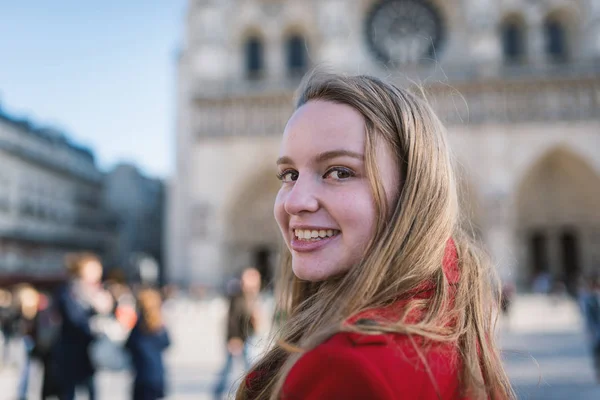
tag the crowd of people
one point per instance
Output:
(83, 325)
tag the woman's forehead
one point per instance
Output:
(320, 126)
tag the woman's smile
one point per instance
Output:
(307, 240)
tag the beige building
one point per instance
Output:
(516, 81)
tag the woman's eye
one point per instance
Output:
(339, 174)
(288, 176)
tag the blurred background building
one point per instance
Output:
(54, 200)
(516, 82)
(50, 202)
(136, 203)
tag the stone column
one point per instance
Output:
(334, 28)
(484, 42)
(586, 247)
(500, 234)
(554, 253)
(591, 27)
(535, 48)
(177, 204)
(275, 57)
(208, 47)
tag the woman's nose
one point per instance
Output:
(302, 197)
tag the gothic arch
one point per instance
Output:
(563, 17)
(296, 46)
(247, 32)
(513, 30)
(252, 44)
(251, 233)
(298, 28)
(558, 218)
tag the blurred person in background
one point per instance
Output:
(558, 291)
(8, 318)
(589, 302)
(242, 322)
(542, 283)
(388, 297)
(124, 302)
(78, 301)
(27, 301)
(146, 344)
(47, 331)
(507, 295)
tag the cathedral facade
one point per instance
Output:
(517, 83)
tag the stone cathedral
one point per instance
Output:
(517, 83)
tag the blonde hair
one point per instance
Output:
(406, 250)
(75, 262)
(27, 299)
(150, 305)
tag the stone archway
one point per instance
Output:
(252, 237)
(558, 219)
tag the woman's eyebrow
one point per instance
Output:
(284, 160)
(326, 155)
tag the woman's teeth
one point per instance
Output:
(307, 234)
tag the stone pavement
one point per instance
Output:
(546, 351)
(543, 345)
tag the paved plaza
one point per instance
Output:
(543, 344)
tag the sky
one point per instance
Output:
(104, 72)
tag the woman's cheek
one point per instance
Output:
(358, 216)
(280, 214)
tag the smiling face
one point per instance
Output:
(325, 208)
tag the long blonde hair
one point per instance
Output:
(150, 305)
(406, 250)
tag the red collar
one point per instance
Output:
(394, 311)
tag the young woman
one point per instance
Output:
(385, 295)
(146, 343)
(78, 301)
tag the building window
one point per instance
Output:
(556, 40)
(297, 56)
(513, 42)
(254, 58)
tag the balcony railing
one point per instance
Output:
(517, 102)
(467, 102)
(449, 74)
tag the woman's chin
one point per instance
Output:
(308, 274)
(311, 273)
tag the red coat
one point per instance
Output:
(382, 366)
(355, 366)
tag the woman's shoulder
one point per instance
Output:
(377, 366)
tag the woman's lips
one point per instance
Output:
(305, 246)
